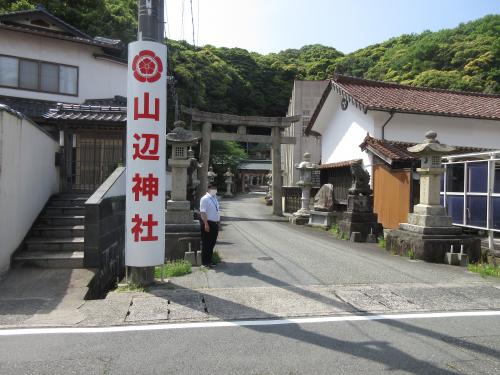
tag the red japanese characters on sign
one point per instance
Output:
(146, 114)
(145, 186)
(149, 148)
(146, 155)
(137, 228)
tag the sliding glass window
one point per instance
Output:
(37, 75)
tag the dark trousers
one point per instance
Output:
(208, 240)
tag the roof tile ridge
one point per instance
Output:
(392, 84)
(347, 92)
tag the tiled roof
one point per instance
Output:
(340, 164)
(392, 97)
(397, 151)
(255, 165)
(116, 101)
(71, 33)
(408, 99)
(93, 113)
(33, 108)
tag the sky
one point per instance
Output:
(266, 26)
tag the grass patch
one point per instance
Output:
(216, 258)
(335, 230)
(484, 269)
(130, 288)
(411, 254)
(173, 269)
(381, 242)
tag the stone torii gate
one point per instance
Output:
(240, 124)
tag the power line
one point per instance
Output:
(198, 24)
(192, 20)
(167, 29)
(182, 21)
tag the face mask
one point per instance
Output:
(213, 193)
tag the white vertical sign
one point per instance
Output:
(146, 154)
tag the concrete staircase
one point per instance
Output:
(56, 239)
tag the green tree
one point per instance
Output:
(223, 155)
(110, 18)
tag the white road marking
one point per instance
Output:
(242, 323)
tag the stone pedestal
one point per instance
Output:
(429, 233)
(180, 230)
(301, 217)
(322, 219)
(180, 227)
(229, 184)
(432, 247)
(360, 217)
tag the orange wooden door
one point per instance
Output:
(391, 195)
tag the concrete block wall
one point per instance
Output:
(105, 233)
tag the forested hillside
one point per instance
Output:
(237, 81)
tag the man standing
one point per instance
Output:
(210, 218)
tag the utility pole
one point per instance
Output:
(150, 28)
(151, 20)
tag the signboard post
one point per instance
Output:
(146, 154)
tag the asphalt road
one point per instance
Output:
(261, 250)
(420, 346)
(271, 270)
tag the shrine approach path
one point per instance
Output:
(262, 250)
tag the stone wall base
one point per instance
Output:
(299, 220)
(432, 248)
(178, 237)
(365, 226)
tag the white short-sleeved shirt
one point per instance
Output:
(210, 206)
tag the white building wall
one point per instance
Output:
(450, 130)
(97, 78)
(28, 177)
(342, 132)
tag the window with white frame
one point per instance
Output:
(37, 75)
(470, 191)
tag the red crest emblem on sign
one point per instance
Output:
(147, 66)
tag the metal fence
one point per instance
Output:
(470, 190)
(292, 195)
(93, 160)
(341, 179)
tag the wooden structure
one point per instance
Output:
(240, 124)
(392, 192)
(92, 140)
(395, 190)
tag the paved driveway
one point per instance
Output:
(261, 250)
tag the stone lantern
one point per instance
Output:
(180, 139)
(179, 217)
(211, 175)
(229, 183)
(305, 168)
(429, 232)
(429, 212)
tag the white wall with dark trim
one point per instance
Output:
(28, 177)
(98, 78)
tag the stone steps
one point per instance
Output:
(61, 220)
(54, 244)
(68, 201)
(65, 210)
(58, 231)
(56, 239)
(49, 259)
